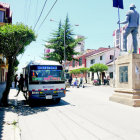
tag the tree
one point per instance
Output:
(57, 43)
(84, 71)
(75, 72)
(98, 68)
(13, 40)
(16, 63)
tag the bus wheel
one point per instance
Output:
(56, 100)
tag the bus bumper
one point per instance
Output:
(47, 94)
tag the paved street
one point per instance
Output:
(84, 114)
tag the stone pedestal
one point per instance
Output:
(127, 80)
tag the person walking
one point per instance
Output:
(76, 82)
(81, 82)
(70, 80)
(16, 80)
(21, 84)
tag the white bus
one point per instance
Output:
(44, 80)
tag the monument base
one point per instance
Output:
(127, 97)
(127, 80)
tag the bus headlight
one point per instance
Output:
(35, 92)
(64, 91)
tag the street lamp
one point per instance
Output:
(64, 45)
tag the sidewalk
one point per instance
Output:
(9, 129)
(2, 88)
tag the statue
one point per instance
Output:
(132, 18)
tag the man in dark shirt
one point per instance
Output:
(21, 84)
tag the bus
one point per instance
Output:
(44, 79)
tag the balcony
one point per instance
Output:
(5, 13)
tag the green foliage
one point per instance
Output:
(75, 71)
(14, 123)
(84, 70)
(14, 39)
(15, 69)
(16, 63)
(57, 43)
(98, 68)
(78, 71)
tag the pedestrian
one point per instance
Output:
(105, 80)
(108, 79)
(132, 18)
(81, 82)
(70, 80)
(16, 80)
(20, 84)
(75, 82)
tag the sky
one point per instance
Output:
(97, 20)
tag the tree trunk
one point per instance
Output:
(85, 76)
(98, 75)
(99, 78)
(8, 82)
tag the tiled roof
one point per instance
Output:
(97, 51)
(85, 53)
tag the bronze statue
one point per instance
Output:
(132, 19)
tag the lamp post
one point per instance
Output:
(64, 52)
(64, 46)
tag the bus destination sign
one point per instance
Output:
(46, 67)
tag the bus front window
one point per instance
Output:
(46, 75)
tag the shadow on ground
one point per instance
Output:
(24, 109)
(2, 113)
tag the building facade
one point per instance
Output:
(80, 46)
(103, 56)
(118, 39)
(5, 13)
(79, 62)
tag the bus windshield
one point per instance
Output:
(46, 74)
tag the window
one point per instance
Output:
(117, 36)
(117, 42)
(92, 61)
(1, 16)
(111, 74)
(101, 57)
(46, 74)
(80, 61)
(111, 57)
(123, 74)
(73, 63)
(117, 32)
(88, 74)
